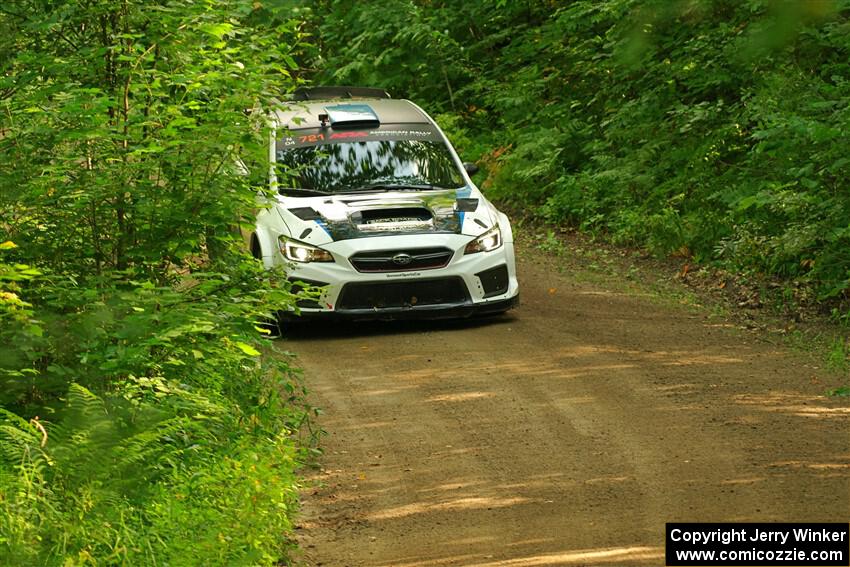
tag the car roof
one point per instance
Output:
(299, 115)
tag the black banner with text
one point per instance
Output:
(763, 545)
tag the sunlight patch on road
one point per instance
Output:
(701, 360)
(799, 405)
(450, 486)
(617, 555)
(370, 425)
(664, 357)
(432, 562)
(813, 466)
(748, 480)
(607, 479)
(537, 368)
(808, 411)
(472, 503)
(389, 391)
(460, 397)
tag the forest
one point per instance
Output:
(714, 130)
(146, 418)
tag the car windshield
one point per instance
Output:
(373, 165)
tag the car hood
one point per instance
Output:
(320, 220)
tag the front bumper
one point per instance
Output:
(429, 312)
(468, 284)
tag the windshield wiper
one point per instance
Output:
(381, 187)
(301, 191)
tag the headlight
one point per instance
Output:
(490, 240)
(304, 253)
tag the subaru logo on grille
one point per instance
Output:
(402, 259)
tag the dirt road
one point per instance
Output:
(565, 434)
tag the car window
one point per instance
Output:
(360, 161)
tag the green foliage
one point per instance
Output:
(713, 127)
(842, 391)
(174, 480)
(120, 136)
(142, 422)
(186, 453)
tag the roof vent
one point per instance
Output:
(352, 115)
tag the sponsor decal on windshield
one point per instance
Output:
(318, 136)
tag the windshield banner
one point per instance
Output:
(320, 136)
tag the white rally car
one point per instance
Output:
(372, 204)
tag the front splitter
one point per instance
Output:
(444, 311)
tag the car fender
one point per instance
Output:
(505, 227)
(269, 228)
(265, 241)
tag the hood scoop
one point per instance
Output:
(397, 219)
(348, 217)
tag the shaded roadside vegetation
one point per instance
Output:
(716, 130)
(140, 424)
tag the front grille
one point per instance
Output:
(406, 294)
(401, 260)
(494, 281)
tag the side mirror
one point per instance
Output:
(470, 168)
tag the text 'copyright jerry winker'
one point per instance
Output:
(744, 544)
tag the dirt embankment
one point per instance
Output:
(567, 433)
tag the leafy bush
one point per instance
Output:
(141, 422)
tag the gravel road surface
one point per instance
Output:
(566, 433)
